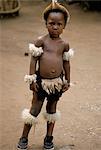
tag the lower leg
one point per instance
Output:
(26, 130)
(50, 127)
(48, 140)
(30, 119)
(30, 116)
(51, 113)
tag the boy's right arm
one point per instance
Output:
(33, 62)
(33, 85)
(32, 65)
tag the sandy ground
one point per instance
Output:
(80, 125)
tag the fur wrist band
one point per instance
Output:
(30, 78)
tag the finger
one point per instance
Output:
(65, 89)
(37, 86)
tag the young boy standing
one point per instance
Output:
(48, 81)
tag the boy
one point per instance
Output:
(52, 54)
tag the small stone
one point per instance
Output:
(26, 54)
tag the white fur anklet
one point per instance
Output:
(28, 118)
(52, 117)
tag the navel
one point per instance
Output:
(53, 71)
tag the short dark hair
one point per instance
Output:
(46, 14)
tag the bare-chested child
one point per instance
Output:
(48, 81)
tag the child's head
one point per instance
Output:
(55, 24)
(56, 8)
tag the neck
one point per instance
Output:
(54, 38)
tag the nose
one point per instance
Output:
(55, 27)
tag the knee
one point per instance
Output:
(51, 111)
(51, 108)
(35, 112)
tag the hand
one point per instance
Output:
(34, 87)
(65, 87)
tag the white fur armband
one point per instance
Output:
(68, 55)
(35, 51)
(30, 78)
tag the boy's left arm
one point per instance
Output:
(66, 67)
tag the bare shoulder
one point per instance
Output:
(39, 41)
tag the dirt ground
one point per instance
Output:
(80, 124)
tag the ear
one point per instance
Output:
(46, 24)
(64, 26)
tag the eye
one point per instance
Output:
(51, 23)
(60, 24)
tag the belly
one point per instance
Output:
(51, 67)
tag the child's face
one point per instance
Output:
(55, 24)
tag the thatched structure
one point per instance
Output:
(9, 7)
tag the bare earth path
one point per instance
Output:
(80, 125)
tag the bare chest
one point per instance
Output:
(53, 47)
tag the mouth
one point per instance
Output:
(55, 33)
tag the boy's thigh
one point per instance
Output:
(36, 104)
(38, 97)
(54, 96)
(51, 106)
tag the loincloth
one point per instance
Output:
(50, 88)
